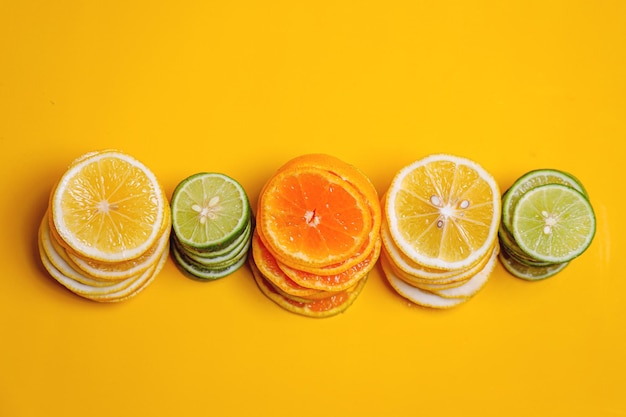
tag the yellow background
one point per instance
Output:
(240, 87)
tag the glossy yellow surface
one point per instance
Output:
(240, 87)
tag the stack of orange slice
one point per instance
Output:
(439, 231)
(317, 235)
(105, 234)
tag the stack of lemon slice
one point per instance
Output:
(105, 234)
(317, 235)
(439, 231)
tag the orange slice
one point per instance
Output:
(334, 282)
(267, 265)
(108, 207)
(443, 211)
(311, 217)
(326, 307)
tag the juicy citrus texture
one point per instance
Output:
(533, 179)
(439, 230)
(547, 221)
(105, 235)
(208, 210)
(553, 223)
(443, 211)
(108, 207)
(310, 217)
(326, 307)
(212, 225)
(268, 267)
(317, 236)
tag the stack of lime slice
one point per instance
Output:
(212, 225)
(547, 220)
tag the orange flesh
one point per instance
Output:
(313, 215)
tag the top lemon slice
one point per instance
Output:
(108, 207)
(443, 211)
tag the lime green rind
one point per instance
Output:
(573, 225)
(526, 272)
(208, 263)
(226, 250)
(204, 274)
(508, 244)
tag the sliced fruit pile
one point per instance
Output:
(547, 221)
(105, 235)
(212, 224)
(317, 235)
(439, 231)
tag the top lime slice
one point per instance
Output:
(531, 180)
(553, 223)
(209, 211)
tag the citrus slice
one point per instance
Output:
(443, 211)
(311, 217)
(527, 272)
(197, 271)
(334, 282)
(474, 284)
(414, 294)
(530, 180)
(267, 265)
(209, 211)
(327, 307)
(419, 273)
(57, 256)
(112, 271)
(108, 207)
(553, 223)
(113, 292)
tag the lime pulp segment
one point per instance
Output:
(553, 223)
(209, 211)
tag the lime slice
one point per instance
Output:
(218, 262)
(553, 223)
(531, 180)
(527, 272)
(239, 241)
(199, 272)
(508, 244)
(209, 211)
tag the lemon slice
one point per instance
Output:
(443, 211)
(414, 294)
(108, 207)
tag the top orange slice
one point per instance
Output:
(108, 207)
(443, 211)
(312, 217)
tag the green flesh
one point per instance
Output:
(553, 223)
(209, 211)
(531, 180)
